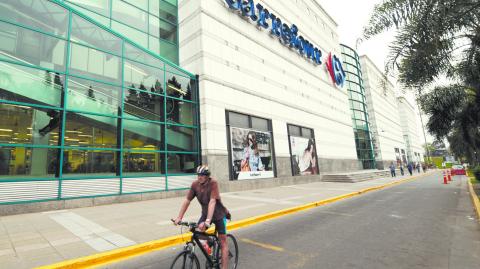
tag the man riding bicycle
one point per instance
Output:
(206, 190)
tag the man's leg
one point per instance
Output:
(224, 246)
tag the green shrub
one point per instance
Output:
(476, 172)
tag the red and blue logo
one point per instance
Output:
(335, 69)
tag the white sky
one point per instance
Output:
(351, 16)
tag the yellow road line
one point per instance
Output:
(262, 245)
(475, 200)
(120, 254)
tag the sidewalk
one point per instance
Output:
(36, 239)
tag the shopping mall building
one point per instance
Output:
(124, 98)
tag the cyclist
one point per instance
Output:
(205, 188)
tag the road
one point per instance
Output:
(419, 224)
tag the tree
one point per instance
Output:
(132, 97)
(436, 39)
(144, 96)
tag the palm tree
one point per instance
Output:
(437, 38)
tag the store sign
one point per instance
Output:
(288, 35)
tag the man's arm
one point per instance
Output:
(211, 209)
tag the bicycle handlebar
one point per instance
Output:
(191, 225)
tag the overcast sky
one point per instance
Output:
(351, 16)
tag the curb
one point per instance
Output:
(143, 248)
(475, 200)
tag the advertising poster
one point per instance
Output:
(303, 155)
(251, 154)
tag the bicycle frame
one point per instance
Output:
(196, 238)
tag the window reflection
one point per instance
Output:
(85, 130)
(144, 104)
(101, 162)
(143, 135)
(180, 112)
(182, 163)
(30, 85)
(95, 64)
(30, 47)
(181, 138)
(87, 95)
(20, 161)
(143, 162)
(28, 125)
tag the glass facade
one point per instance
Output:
(358, 107)
(79, 101)
(152, 24)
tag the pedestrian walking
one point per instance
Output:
(401, 169)
(410, 168)
(418, 167)
(392, 169)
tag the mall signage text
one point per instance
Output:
(288, 36)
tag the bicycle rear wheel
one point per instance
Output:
(232, 252)
(185, 260)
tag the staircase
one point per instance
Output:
(352, 177)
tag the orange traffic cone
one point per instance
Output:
(444, 178)
(449, 174)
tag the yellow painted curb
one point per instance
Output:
(137, 250)
(475, 200)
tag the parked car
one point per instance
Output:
(458, 169)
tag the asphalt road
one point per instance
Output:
(419, 224)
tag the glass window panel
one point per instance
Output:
(307, 132)
(90, 34)
(154, 45)
(27, 162)
(179, 86)
(95, 64)
(181, 138)
(143, 162)
(91, 96)
(138, 55)
(30, 85)
(29, 47)
(103, 18)
(167, 11)
(180, 112)
(294, 130)
(142, 105)
(259, 124)
(89, 162)
(142, 4)
(143, 77)
(182, 163)
(238, 120)
(99, 6)
(85, 130)
(143, 135)
(39, 14)
(133, 34)
(169, 51)
(130, 15)
(28, 125)
(168, 31)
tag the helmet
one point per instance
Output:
(203, 170)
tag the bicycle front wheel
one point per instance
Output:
(185, 260)
(232, 252)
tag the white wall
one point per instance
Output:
(383, 110)
(243, 68)
(409, 127)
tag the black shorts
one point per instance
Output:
(220, 224)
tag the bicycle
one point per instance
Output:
(187, 259)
